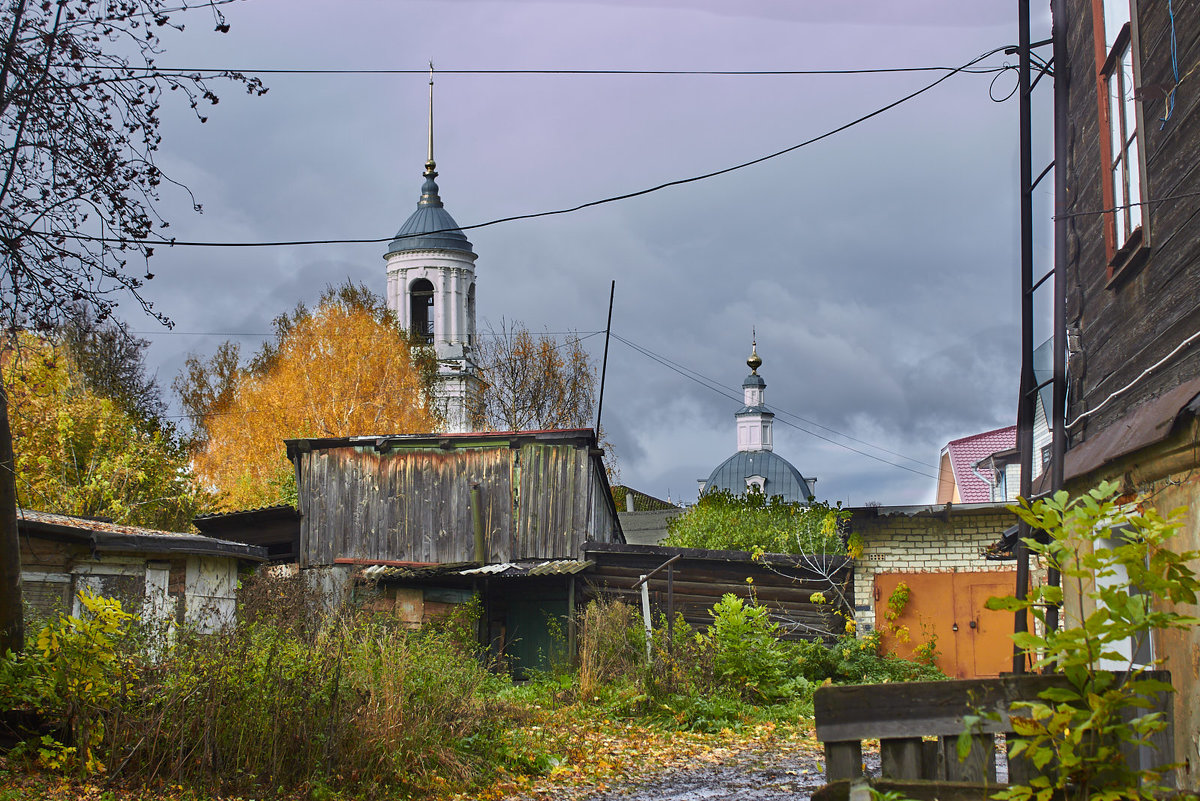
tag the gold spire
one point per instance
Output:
(754, 362)
(430, 165)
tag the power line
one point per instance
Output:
(1151, 202)
(721, 391)
(560, 71)
(603, 201)
(484, 335)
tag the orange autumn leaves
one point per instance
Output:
(340, 370)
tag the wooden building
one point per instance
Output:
(485, 498)
(1132, 162)
(413, 525)
(783, 583)
(169, 577)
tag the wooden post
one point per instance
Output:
(572, 635)
(900, 758)
(843, 760)
(646, 614)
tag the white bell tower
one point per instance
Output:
(754, 420)
(431, 288)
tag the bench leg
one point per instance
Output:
(843, 760)
(901, 758)
(979, 766)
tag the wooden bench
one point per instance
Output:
(902, 715)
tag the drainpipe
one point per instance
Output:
(477, 522)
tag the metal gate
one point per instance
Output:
(971, 641)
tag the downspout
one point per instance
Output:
(477, 524)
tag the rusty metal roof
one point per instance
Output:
(1149, 423)
(107, 536)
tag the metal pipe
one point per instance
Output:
(1058, 404)
(1025, 410)
(477, 523)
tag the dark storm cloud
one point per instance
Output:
(877, 265)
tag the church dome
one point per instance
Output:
(430, 227)
(738, 472)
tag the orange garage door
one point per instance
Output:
(971, 641)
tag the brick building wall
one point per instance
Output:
(923, 539)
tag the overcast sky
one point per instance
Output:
(879, 266)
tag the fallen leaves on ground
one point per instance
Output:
(598, 755)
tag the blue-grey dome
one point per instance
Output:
(781, 477)
(754, 380)
(430, 227)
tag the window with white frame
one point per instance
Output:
(1126, 229)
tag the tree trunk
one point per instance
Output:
(12, 619)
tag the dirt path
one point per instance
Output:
(750, 776)
(767, 769)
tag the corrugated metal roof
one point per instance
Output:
(551, 567)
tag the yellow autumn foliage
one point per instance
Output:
(339, 371)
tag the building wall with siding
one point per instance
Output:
(412, 502)
(1132, 323)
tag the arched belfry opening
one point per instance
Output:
(421, 310)
(471, 315)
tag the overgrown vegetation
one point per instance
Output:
(755, 523)
(737, 672)
(291, 701)
(1125, 584)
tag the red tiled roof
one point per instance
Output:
(965, 452)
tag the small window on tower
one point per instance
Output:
(421, 310)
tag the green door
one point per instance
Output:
(537, 634)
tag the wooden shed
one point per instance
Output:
(168, 577)
(414, 499)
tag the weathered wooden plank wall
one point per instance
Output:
(1134, 322)
(414, 503)
(701, 581)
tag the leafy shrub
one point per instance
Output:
(851, 660)
(1075, 735)
(752, 522)
(75, 670)
(748, 657)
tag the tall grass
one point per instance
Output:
(281, 701)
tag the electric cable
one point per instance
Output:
(683, 372)
(535, 215)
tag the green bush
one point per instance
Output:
(850, 660)
(1124, 590)
(748, 657)
(72, 672)
(277, 703)
(752, 522)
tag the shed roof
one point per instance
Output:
(109, 537)
(520, 569)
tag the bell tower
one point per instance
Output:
(431, 288)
